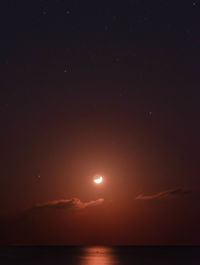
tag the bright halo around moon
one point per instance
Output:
(98, 179)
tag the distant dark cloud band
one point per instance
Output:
(168, 194)
(73, 203)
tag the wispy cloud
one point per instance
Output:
(167, 194)
(73, 203)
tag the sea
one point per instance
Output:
(99, 255)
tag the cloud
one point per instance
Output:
(48, 222)
(168, 194)
(73, 203)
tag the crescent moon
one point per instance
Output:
(98, 180)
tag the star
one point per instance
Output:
(67, 68)
(44, 12)
(38, 177)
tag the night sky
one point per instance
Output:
(100, 87)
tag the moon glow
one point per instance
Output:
(98, 179)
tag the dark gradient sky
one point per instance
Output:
(100, 87)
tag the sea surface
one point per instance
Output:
(100, 255)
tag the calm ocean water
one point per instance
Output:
(100, 255)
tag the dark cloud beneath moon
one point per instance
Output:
(168, 194)
(54, 220)
(70, 204)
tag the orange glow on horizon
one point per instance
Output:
(98, 256)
